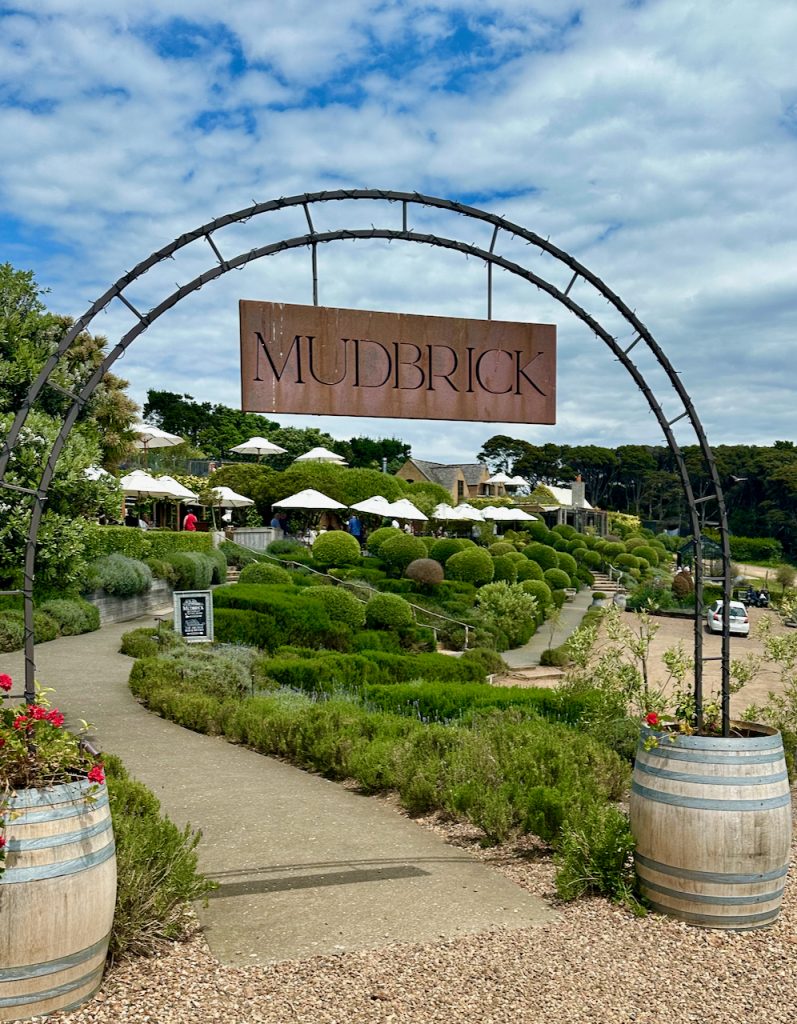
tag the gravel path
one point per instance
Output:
(596, 965)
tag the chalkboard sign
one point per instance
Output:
(193, 615)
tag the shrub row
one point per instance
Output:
(54, 618)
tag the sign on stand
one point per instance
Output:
(193, 615)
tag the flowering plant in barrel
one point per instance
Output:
(36, 751)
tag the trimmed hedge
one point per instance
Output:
(272, 616)
(340, 604)
(194, 570)
(473, 565)
(73, 615)
(398, 552)
(263, 572)
(120, 575)
(388, 611)
(336, 548)
(544, 555)
(135, 543)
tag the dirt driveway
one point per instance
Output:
(669, 634)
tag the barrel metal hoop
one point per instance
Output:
(62, 839)
(718, 921)
(705, 757)
(706, 804)
(723, 743)
(13, 876)
(65, 793)
(52, 993)
(720, 877)
(23, 972)
(69, 810)
(719, 901)
(712, 780)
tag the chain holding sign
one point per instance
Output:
(193, 616)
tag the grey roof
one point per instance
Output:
(445, 474)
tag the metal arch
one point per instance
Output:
(312, 240)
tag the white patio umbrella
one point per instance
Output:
(154, 437)
(321, 455)
(228, 498)
(140, 484)
(309, 499)
(178, 490)
(95, 473)
(499, 478)
(404, 509)
(258, 446)
(507, 515)
(518, 481)
(468, 513)
(375, 506)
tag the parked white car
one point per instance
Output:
(738, 619)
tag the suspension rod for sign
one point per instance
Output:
(131, 307)
(572, 282)
(490, 276)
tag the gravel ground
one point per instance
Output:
(596, 965)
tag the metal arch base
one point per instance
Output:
(204, 235)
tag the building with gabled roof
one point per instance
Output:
(463, 480)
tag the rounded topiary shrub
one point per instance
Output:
(501, 547)
(557, 579)
(262, 572)
(474, 565)
(612, 549)
(559, 542)
(544, 555)
(426, 571)
(73, 615)
(336, 548)
(538, 531)
(341, 605)
(568, 532)
(388, 611)
(194, 570)
(378, 537)
(575, 543)
(683, 585)
(528, 570)
(444, 548)
(627, 562)
(648, 553)
(504, 568)
(591, 559)
(398, 552)
(542, 592)
(121, 576)
(567, 563)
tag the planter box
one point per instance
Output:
(122, 609)
(711, 817)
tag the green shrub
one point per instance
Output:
(290, 550)
(378, 537)
(194, 570)
(162, 570)
(120, 575)
(510, 609)
(540, 590)
(12, 631)
(426, 571)
(445, 547)
(147, 641)
(557, 579)
(340, 604)
(263, 572)
(505, 568)
(595, 855)
(555, 656)
(490, 662)
(612, 549)
(577, 544)
(591, 559)
(272, 616)
(567, 564)
(539, 532)
(473, 565)
(502, 547)
(528, 570)
(376, 640)
(755, 549)
(335, 547)
(72, 615)
(398, 552)
(157, 878)
(568, 532)
(219, 563)
(236, 554)
(388, 611)
(545, 556)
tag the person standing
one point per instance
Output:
(189, 522)
(356, 529)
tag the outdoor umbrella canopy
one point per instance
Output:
(460, 514)
(375, 506)
(499, 478)
(141, 485)
(177, 490)
(95, 473)
(507, 515)
(321, 455)
(258, 446)
(404, 509)
(309, 499)
(518, 481)
(228, 498)
(153, 437)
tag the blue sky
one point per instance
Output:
(656, 141)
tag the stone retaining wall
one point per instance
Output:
(121, 609)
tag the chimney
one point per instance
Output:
(578, 493)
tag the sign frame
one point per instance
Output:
(203, 598)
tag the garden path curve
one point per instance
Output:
(305, 867)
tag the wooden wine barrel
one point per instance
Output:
(711, 817)
(57, 897)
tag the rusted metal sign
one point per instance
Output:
(349, 362)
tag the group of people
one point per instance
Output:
(757, 598)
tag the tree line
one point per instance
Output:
(759, 482)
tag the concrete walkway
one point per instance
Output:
(551, 633)
(305, 866)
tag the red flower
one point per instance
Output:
(55, 718)
(652, 719)
(5, 682)
(96, 774)
(2, 842)
(38, 712)
(2, 742)
(20, 722)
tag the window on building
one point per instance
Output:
(460, 489)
